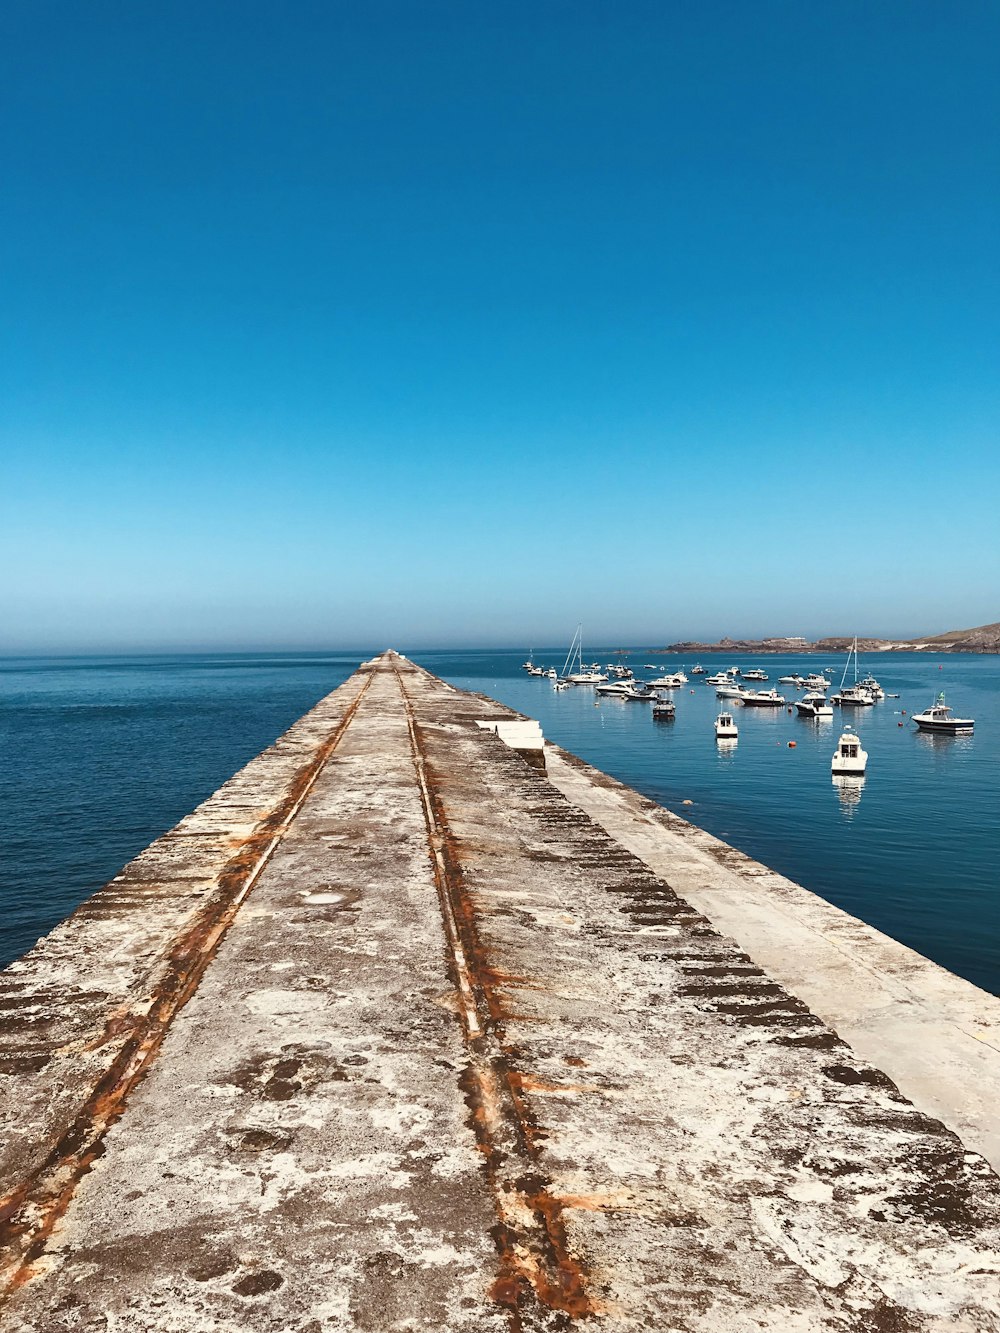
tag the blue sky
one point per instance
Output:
(427, 324)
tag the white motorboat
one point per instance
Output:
(755, 674)
(670, 682)
(730, 692)
(552, 673)
(849, 758)
(855, 696)
(813, 704)
(626, 689)
(763, 699)
(664, 706)
(871, 685)
(939, 718)
(720, 678)
(725, 727)
(697, 669)
(815, 681)
(638, 691)
(791, 680)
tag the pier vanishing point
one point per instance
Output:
(421, 1024)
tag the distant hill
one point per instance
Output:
(984, 639)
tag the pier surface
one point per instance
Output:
(398, 1031)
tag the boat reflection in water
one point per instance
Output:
(726, 747)
(849, 787)
(943, 744)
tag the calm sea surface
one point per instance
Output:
(101, 755)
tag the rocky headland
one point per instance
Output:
(984, 639)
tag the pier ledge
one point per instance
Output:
(420, 1024)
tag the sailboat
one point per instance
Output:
(573, 672)
(856, 695)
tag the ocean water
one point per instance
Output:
(102, 755)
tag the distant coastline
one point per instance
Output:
(983, 639)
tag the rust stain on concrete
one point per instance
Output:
(536, 1259)
(29, 1213)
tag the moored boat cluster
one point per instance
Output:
(617, 680)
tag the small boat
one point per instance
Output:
(720, 678)
(671, 682)
(938, 718)
(697, 669)
(813, 704)
(561, 684)
(849, 756)
(552, 673)
(815, 681)
(855, 696)
(791, 680)
(871, 685)
(664, 707)
(537, 671)
(725, 727)
(755, 674)
(763, 699)
(730, 692)
(638, 691)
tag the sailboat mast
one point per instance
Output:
(573, 648)
(847, 665)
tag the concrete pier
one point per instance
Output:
(402, 1031)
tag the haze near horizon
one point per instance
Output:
(456, 325)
